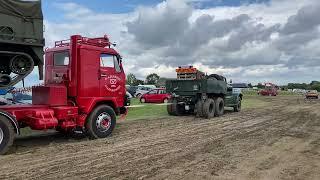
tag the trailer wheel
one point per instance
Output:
(219, 107)
(7, 135)
(237, 108)
(208, 108)
(101, 122)
(174, 108)
(199, 108)
(169, 107)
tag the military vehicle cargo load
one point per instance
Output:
(204, 95)
(21, 40)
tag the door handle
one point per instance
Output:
(103, 75)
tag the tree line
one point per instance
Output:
(153, 79)
(314, 85)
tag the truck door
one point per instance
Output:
(57, 66)
(111, 78)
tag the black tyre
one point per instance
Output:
(7, 135)
(199, 108)
(142, 100)
(219, 105)
(208, 108)
(175, 108)
(169, 107)
(237, 108)
(101, 122)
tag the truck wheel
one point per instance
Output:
(174, 108)
(208, 108)
(101, 122)
(237, 108)
(199, 109)
(219, 111)
(7, 135)
(169, 107)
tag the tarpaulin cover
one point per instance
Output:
(23, 9)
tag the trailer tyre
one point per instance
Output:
(169, 107)
(208, 108)
(219, 107)
(101, 122)
(199, 109)
(174, 108)
(7, 135)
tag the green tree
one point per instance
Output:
(315, 86)
(152, 78)
(131, 79)
(138, 82)
(260, 86)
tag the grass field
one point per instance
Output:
(149, 111)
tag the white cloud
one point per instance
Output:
(244, 43)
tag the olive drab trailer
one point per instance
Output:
(204, 95)
(21, 40)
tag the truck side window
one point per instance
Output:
(61, 58)
(106, 60)
(111, 61)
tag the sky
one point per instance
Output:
(247, 41)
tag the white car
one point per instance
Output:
(141, 91)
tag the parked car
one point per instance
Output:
(132, 90)
(141, 90)
(312, 94)
(158, 95)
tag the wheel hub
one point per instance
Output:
(21, 64)
(1, 135)
(103, 122)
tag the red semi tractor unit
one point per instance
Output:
(84, 90)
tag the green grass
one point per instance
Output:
(145, 112)
(251, 102)
(150, 111)
(281, 93)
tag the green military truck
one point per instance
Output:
(21, 40)
(206, 96)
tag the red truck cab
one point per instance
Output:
(84, 90)
(269, 90)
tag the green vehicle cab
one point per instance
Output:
(203, 95)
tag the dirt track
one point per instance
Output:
(281, 141)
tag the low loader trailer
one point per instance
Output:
(203, 95)
(84, 90)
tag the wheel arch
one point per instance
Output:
(240, 96)
(106, 102)
(12, 120)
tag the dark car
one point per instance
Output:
(132, 90)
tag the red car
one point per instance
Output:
(158, 95)
(268, 92)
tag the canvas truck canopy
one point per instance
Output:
(21, 32)
(22, 9)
